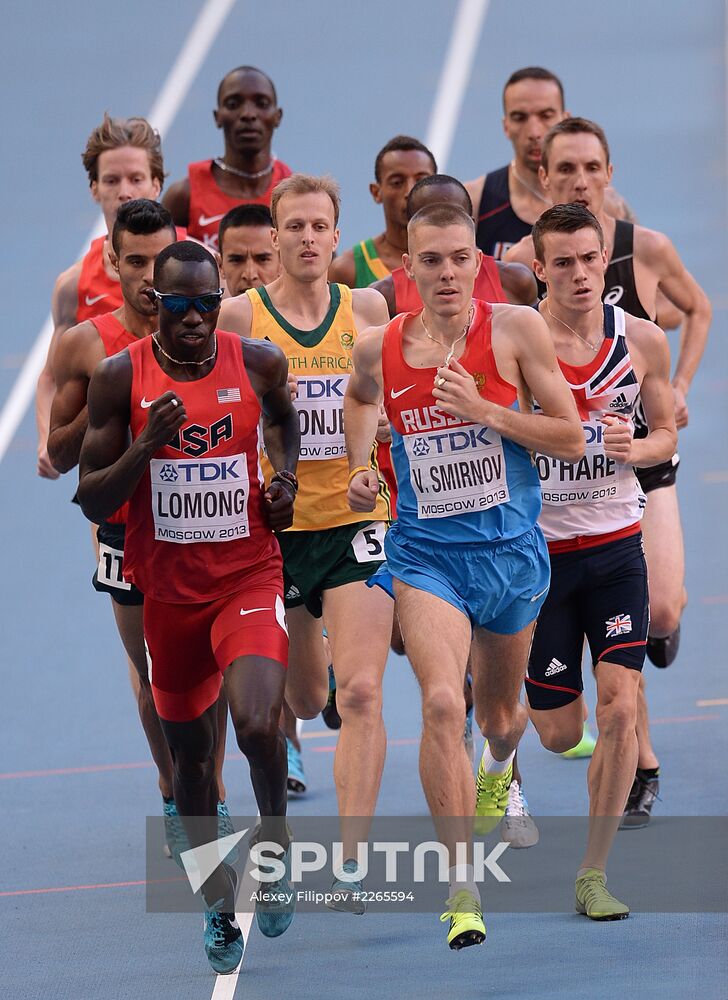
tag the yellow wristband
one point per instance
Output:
(356, 471)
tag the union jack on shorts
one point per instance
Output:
(619, 625)
(228, 395)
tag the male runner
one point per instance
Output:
(465, 553)
(399, 165)
(247, 255)
(123, 160)
(200, 547)
(591, 519)
(510, 199)
(248, 114)
(576, 168)
(329, 553)
(249, 259)
(496, 281)
(142, 229)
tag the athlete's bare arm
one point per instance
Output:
(177, 202)
(526, 357)
(617, 206)
(78, 353)
(676, 283)
(361, 416)
(475, 190)
(385, 287)
(236, 315)
(370, 308)
(518, 283)
(64, 305)
(343, 269)
(651, 357)
(109, 466)
(521, 253)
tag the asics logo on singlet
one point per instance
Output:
(97, 298)
(396, 393)
(555, 667)
(168, 473)
(614, 295)
(208, 220)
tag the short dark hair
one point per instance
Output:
(247, 69)
(184, 250)
(573, 126)
(439, 180)
(564, 219)
(141, 217)
(441, 216)
(245, 215)
(533, 73)
(114, 133)
(404, 144)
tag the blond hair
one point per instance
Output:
(305, 184)
(113, 133)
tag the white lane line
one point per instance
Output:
(454, 78)
(171, 97)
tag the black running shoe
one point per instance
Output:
(662, 652)
(330, 714)
(641, 799)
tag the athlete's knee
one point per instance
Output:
(559, 739)
(359, 696)
(194, 765)
(307, 704)
(443, 710)
(665, 615)
(500, 722)
(256, 734)
(617, 714)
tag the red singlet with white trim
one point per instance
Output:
(209, 203)
(488, 287)
(196, 522)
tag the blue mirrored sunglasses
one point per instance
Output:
(180, 304)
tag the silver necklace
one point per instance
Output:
(176, 362)
(219, 162)
(451, 351)
(534, 192)
(577, 335)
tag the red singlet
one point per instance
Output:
(487, 287)
(209, 203)
(196, 526)
(97, 292)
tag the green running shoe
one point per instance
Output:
(593, 899)
(466, 920)
(584, 748)
(274, 911)
(346, 896)
(491, 798)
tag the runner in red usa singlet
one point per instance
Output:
(200, 546)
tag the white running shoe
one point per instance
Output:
(518, 826)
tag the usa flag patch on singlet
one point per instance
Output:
(228, 395)
(619, 625)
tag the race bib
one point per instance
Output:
(458, 471)
(108, 571)
(320, 405)
(205, 501)
(368, 544)
(593, 477)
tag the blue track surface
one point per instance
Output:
(349, 77)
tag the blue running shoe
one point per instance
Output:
(274, 913)
(175, 835)
(224, 944)
(224, 829)
(330, 713)
(296, 777)
(348, 895)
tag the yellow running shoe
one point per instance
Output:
(491, 798)
(593, 899)
(466, 920)
(584, 748)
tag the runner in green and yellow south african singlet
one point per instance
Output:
(321, 361)
(369, 265)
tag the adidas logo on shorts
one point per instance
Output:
(292, 593)
(555, 667)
